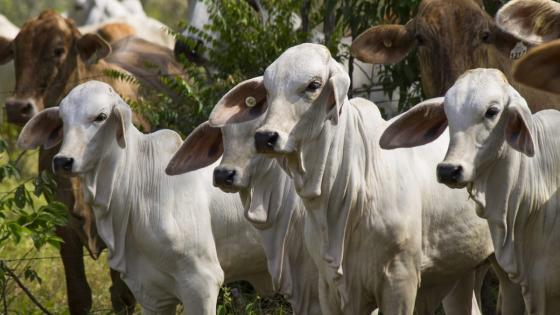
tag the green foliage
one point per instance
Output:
(25, 214)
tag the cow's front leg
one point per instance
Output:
(77, 288)
(400, 285)
(122, 299)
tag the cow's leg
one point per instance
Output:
(170, 310)
(199, 294)
(461, 300)
(511, 299)
(122, 299)
(329, 299)
(399, 288)
(77, 288)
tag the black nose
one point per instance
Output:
(449, 173)
(265, 141)
(63, 163)
(223, 177)
(19, 111)
(191, 51)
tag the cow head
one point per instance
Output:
(91, 121)
(484, 113)
(452, 36)
(48, 53)
(238, 113)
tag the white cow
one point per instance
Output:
(167, 236)
(91, 15)
(510, 161)
(271, 204)
(381, 220)
(363, 76)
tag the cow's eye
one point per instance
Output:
(58, 52)
(485, 36)
(313, 86)
(492, 112)
(101, 117)
(420, 40)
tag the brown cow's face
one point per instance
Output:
(452, 36)
(47, 54)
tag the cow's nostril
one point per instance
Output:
(266, 140)
(26, 109)
(63, 163)
(449, 173)
(224, 176)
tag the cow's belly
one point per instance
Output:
(455, 241)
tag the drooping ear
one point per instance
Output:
(535, 21)
(44, 129)
(92, 47)
(540, 68)
(420, 125)
(122, 115)
(518, 131)
(202, 147)
(384, 44)
(337, 87)
(246, 101)
(6, 52)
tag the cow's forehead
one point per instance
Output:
(298, 65)
(88, 99)
(475, 90)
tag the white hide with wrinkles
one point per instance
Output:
(519, 193)
(167, 235)
(379, 219)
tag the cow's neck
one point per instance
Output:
(273, 192)
(114, 176)
(518, 192)
(333, 177)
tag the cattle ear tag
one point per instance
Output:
(250, 101)
(518, 51)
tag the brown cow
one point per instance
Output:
(536, 21)
(51, 57)
(452, 36)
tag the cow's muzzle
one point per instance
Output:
(225, 179)
(450, 175)
(20, 111)
(62, 165)
(265, 141)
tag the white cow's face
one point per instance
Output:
(474, 107)
(485, 115)
(235, 170)
(92, 114)
(305, 88)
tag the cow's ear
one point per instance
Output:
(420, 125)
(535, 21)
(540, 68)
(6, 51)
(44, 129)
(92, 47)
(384, 44)
(337, 87)
(518, 131)
(246, 101)
(122, 115)
(202, 147)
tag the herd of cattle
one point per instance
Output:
(336, 208)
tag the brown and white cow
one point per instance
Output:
(451, 36)
(51, 57)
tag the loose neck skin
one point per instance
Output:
(520, 198)
(333, 175)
